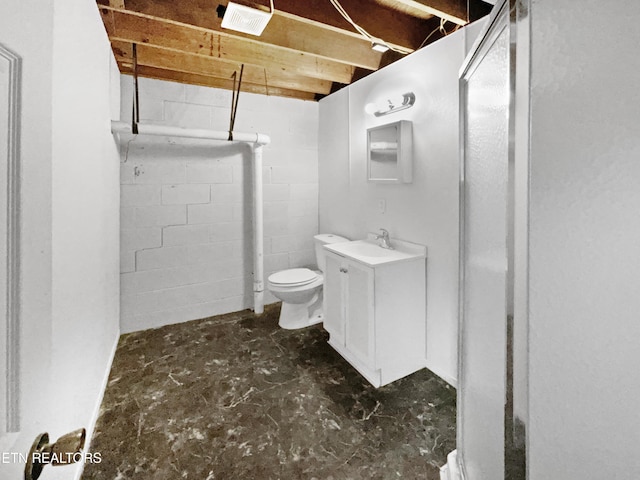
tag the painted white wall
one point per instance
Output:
(425, 211)
(186, 238)
(85, 292)
(69, 208)
(584, 381)
(335, 199)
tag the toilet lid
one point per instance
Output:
(293, 277)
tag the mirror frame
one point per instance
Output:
(404, 154)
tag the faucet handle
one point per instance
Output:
(384, 239)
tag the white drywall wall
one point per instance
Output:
(186, 238)
(333, 166)
(584, 381)
(425, 211)
(85, 217)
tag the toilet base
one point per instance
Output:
(301, 315)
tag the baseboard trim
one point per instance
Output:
(96, 411)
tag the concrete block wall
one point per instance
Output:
(186, 205)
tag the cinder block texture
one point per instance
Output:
(186, 219)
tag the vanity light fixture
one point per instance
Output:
(246, 19)
(391, 105)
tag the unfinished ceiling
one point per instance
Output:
(306, 51)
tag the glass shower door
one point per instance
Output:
(485, 91)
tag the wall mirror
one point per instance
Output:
(390, 153)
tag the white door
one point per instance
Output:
(10, 412)
(485, 92)
(4, 151)
(25, 338)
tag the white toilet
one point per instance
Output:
(300, 289)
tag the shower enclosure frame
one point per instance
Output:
(512, 15)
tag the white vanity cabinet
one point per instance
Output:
(376, 314)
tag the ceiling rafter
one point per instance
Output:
(454, 11)
(284, 30)
(307, 50)
(133, 27)
(207, 81)
(159, 58)
(399, 29)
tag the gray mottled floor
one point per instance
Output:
(236, 397)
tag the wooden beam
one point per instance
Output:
(283, 30)
(205, 81)
(170, 60)
(451, 10)
(138, 28)
(391, 25)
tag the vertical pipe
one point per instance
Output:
(257, 141)
(258, 244)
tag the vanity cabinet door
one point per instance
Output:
(359, 313)
(334, 301)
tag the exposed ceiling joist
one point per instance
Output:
(132, 27)
(307, 48)
(206, 81)
(397, 28)
(284, 30)
(451, 10)
(159, 58)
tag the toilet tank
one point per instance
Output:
(324, 239)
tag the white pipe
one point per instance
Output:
(164, 130)
(257, 140)
(258, 229)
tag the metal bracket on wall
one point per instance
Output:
(234, 101)
(135, 114)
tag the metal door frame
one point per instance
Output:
(516, 14)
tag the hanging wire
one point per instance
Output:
(440, 28)
(361, 30)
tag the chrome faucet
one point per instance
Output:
(384, 239)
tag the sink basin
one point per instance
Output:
(366, 249)
(371, 254)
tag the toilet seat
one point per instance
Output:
(293, 277)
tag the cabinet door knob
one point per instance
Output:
(344, 270)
